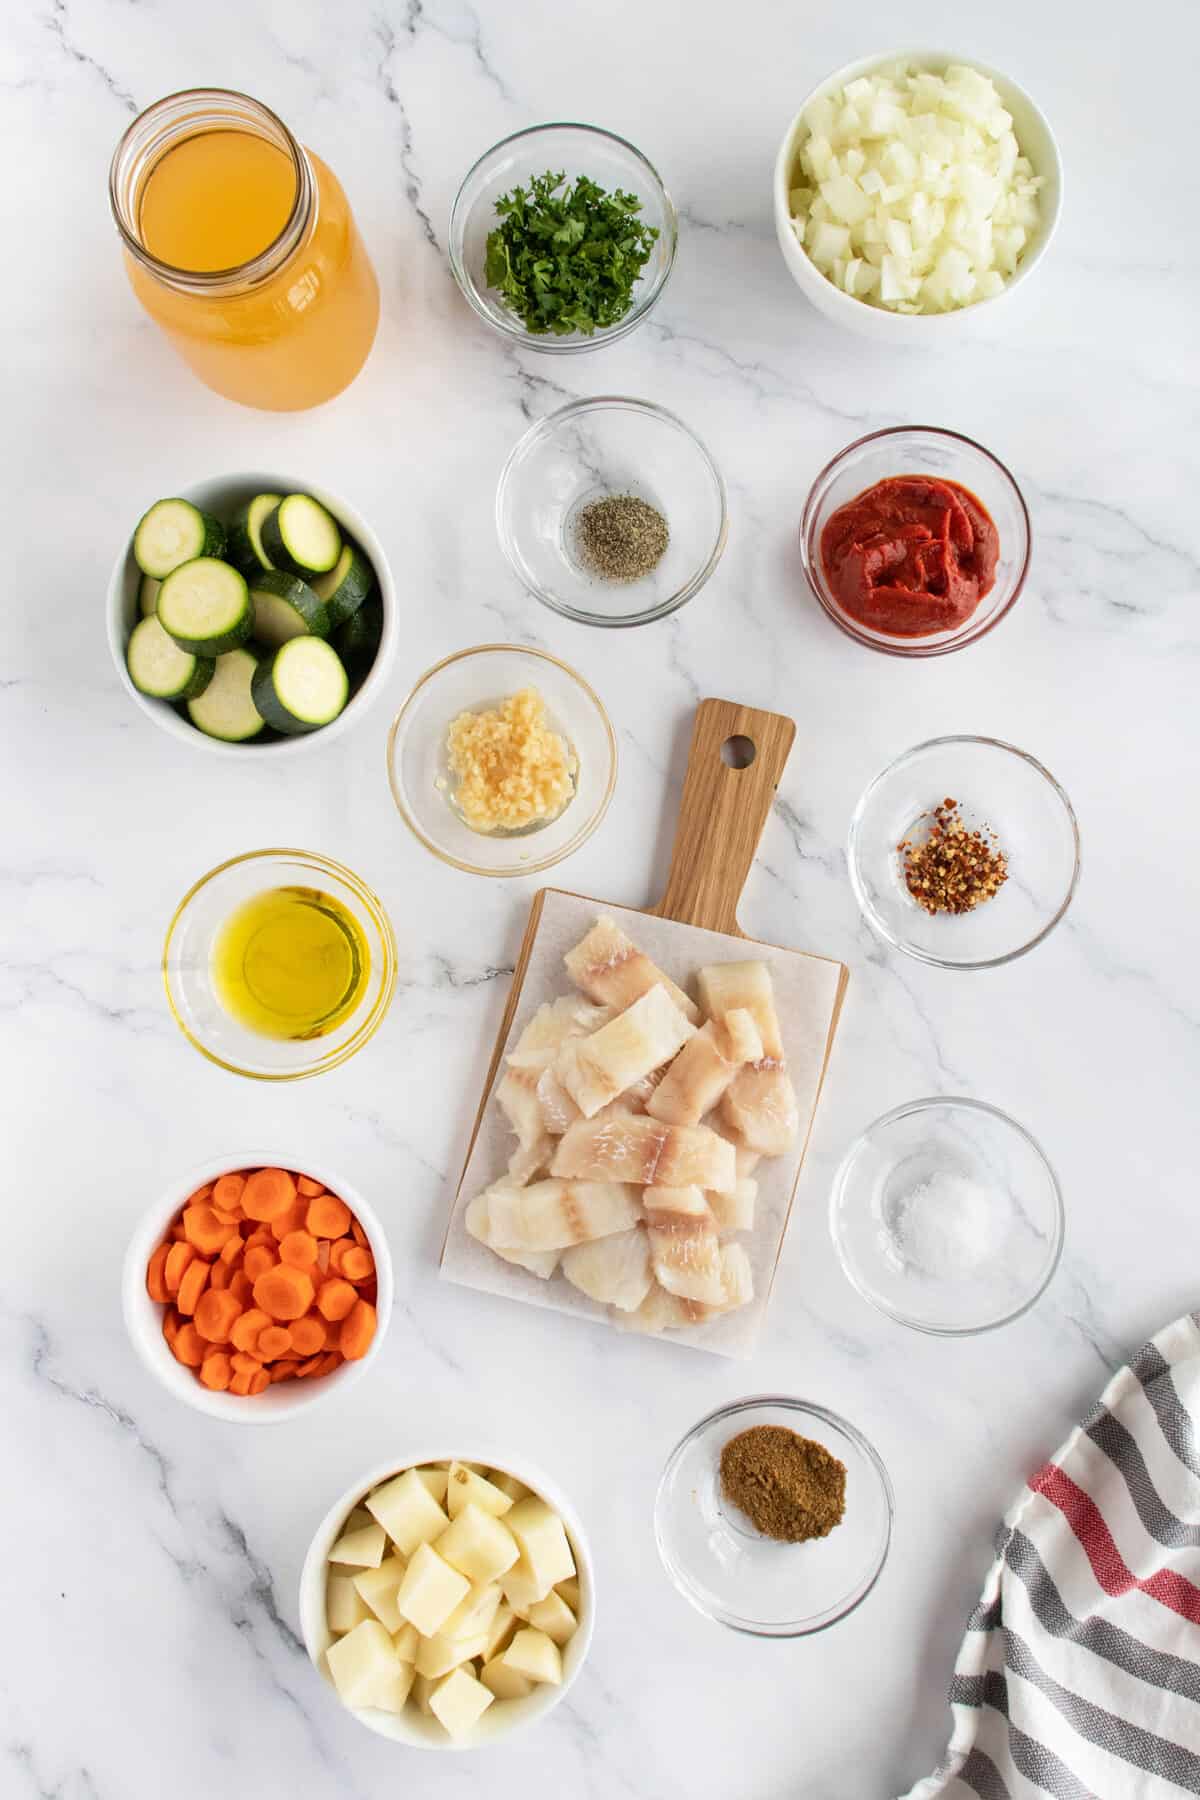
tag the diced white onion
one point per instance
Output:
(912, 192)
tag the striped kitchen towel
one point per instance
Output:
(1079, 1675)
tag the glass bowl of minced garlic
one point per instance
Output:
(502, 760)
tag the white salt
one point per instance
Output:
(946, 1227)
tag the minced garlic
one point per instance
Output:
(511, 770)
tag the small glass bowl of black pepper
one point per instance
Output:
(740, 1576)
(964, 852)
(612, 512)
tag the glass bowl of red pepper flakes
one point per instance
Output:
(915, 540)
(964, 852)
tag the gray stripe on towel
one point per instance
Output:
(1124, 1452)
(1173, 1674)
(1118, 1736)
(1175, 1421)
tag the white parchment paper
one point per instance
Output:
(807, 994)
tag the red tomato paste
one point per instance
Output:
(910, 556)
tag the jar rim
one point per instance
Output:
(169, 121)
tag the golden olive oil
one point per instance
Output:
(290, 963)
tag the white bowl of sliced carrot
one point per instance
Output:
(253, 1289)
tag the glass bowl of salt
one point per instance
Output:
(947, 1216)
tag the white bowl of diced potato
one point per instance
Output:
(1036, 142)
(448, 1602)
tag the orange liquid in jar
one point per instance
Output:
(289, 340)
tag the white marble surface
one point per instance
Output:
(151, 1556)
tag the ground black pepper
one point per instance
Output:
(621, 537)
(789, 1487)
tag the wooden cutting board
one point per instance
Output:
(735, 763)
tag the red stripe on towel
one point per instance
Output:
(1108, 1565)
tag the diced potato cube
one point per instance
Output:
(476, 1612)
(435, 1479)
(422, 1688)
(359, 1517)
(505, 1683)
(500, 1631)
(508, 1484)
(430, 1591)
(437, 1655)
(362, 1549)
(533, 1654)
(569, 1589)
(553, 1616)
(460, 1702)
(465, 1485)
(521, 1588)
(479, 1546)
(361, 1663)
(543, 1542)
(405, 1642)
(392, 1693)
(407, 1511)
(344, 1605)
(379, 1587)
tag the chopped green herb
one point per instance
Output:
(568, 261)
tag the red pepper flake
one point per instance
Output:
(950, 869)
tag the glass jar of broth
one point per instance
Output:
(241, 245)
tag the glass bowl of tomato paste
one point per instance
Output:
(915, 540)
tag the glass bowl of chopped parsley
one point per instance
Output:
(562, 237)
(612, 511)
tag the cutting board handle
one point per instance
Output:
(723, 811)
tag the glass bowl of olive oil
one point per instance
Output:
(279, 964)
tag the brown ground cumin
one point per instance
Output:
(788, 1487)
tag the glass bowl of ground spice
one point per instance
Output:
(612, 512)
(964, 852)
(774, 1517)
(947, 1216)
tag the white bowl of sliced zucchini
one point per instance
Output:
(449, 1603)
(252, 613)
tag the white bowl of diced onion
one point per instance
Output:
(988, 256)
(410, 1725)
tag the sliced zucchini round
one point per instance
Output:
(226, 708)
(148, 595)
(301, 536)
(158, 667)
(205, 605)
(346, 586)
(285, 607)
(245, 534)
(175, 532)
(302, 687)
(357, 641)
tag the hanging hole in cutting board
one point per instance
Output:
(738, 752)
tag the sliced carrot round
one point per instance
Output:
(203, 1229)
(358, 1328)
(308, 1187)
(284, 1293)
(221, 1274)
(189, 1346)
(359, 1235)
(227, 1192)
(178, 1258)
(200, 1196)
(290, 1219)
(308, 1335)
(156, 1286)
(195, 1280)
(273, 1341)
(336, 1299)
(215, 1370)
(259, 1382)
(299, 1250)
(327, 1216)
(233, 1250)
(217, 1312)
(170, 1324)
(257, 1260)
(240, 1287)
(246, 1330)
(285, 1370)
(242, 1360)
(267, 1193)
(357, 1264)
